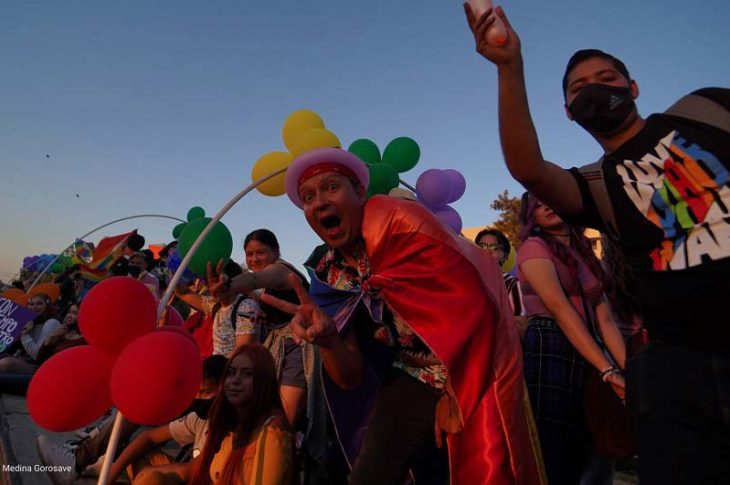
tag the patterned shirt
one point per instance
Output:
(225, 331)
(414, 357)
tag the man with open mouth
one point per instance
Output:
(413, 326)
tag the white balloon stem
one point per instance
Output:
(112, 446)
(91, 232)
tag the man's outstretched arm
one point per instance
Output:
(551, 184)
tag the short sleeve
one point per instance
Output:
(248, 315)
(533, 248)
(208, 302)
(183, 430)
(589, 215)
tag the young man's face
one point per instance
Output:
(595, 70)
(333, 208)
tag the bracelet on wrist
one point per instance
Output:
(608, 372)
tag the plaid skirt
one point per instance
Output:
(554, 377)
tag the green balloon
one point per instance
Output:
(56, 268)
(217, 245)
(366, 149)
(402, 153)
(195, 213)
(383, 178)
(177, 230)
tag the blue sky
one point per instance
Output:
(155, 107)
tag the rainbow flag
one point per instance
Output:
(107, 252)
(83, 250)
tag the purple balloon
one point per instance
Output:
(458, 184)
(450, 217)
(434, 188)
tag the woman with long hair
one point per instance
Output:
(33, 337)
(249, 440)
(570, 319)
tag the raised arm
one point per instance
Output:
(273, 276)
(550, 183)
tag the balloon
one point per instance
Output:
(434, 188)
(179, 331)
(52, 290)
(56, 268)
(26, 261)
(267, 164)
(173, 263)
(458, 184)
(450, 217)
(297, 123)
(509, 263)
(71, 389)
(314, 138)
(402, 153)
(217, 245)
(366, 149)
(156, 377)
(117, 311)
(178, 229)
(195, 213)
(383, 177)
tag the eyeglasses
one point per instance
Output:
(491, 246)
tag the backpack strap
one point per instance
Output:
(593, 173)
(234, 312)
(701, 109)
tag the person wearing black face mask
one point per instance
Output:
(661, 192)
(192, 428)
(138, 269)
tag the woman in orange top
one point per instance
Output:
(249, 439)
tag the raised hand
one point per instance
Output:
(309, 322)
(218, 281)
(505, 54)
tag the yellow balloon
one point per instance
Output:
(509, 263)
(315, 138)
(267, 164)
(297, 123)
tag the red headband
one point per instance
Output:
(323, 167)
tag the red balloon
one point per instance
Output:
(71, 389)
(156, 377)
(117, 311)
(179, 331)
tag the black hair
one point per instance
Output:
(213, 368)
(18, 284)
(149, 257)
(135, 242)
(165, 252)
(264, 236)
(232, 269)
(499, 235)
(585, 54)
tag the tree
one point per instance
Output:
(509, 220)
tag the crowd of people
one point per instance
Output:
(406, 355)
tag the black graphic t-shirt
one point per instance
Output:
(670, 190)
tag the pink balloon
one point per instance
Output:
(434, 188)
(117, 311)
(156, 377)
(71, 389)
(174, 319)
(450, 217)
(458, 184)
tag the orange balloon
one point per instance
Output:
(51, 289)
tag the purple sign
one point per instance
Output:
(13, 318)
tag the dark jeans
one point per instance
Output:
(680, 399)
(400, 437)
